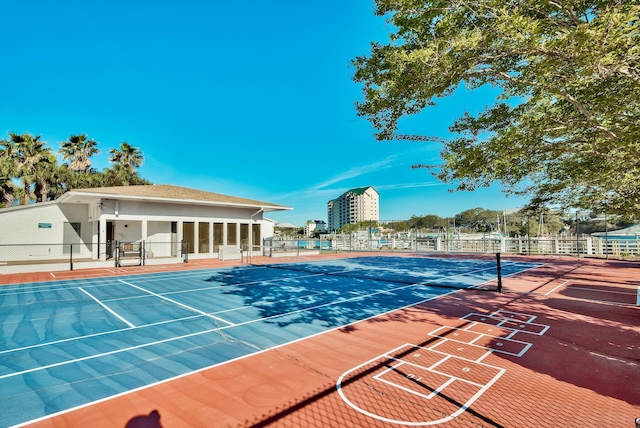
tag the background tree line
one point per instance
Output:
(30, 171)
(519, 223)
(524, 222)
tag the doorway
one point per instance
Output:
(110, 235)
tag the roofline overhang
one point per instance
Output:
(68, 196)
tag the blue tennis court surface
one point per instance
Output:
(65, 344)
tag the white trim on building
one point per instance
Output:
(159, 215)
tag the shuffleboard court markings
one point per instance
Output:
(479, 349)
(450, 374)
(498, 321)
(128, 295)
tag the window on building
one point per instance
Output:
(188, 235)
(71, 235)
(232, 234)
(255, 236)
(218, 232)
(203, 237)
(244, 236)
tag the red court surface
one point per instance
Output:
(560, 347)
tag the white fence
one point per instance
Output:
(584, 246)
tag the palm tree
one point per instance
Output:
(125, 161)
(79, 149)
(128, 156)
(30, 155)
(7, 172)
(50, 181)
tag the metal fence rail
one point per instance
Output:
(580, 246)
(18, 258)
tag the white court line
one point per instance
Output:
(435, 392)
(555, 288)
(461, 409)
(340, 301)
(104, 354)
(605, 291)
(246, 322)
(89, 336)
(183, 375)
(106, 307)
(177, 303)
(219, 329)
(500, 311)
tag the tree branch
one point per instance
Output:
(588, 115)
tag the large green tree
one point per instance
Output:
(566, 129)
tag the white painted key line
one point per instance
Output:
(452, 379)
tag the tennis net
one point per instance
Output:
(433, 272)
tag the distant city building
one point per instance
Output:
(353, 206)
(314, 227)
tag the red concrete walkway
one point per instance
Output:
(566, 353)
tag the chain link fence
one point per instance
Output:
(19, 258)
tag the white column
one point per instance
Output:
(196, 237)
(143, 235)
(210, 237)
(224, 233)
(179, 236)
(102, 232)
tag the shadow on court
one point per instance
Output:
(152, 420)
(320, 409)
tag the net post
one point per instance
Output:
(499, 288)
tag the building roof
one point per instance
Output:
(164, 193)
(359, 190)
(286, 225)
(629, 231)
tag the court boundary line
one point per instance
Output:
(219, 328)
(178, 303)
(193, 372)
(107, 308)
(262, 319)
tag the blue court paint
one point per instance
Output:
(60, 348)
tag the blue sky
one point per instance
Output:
(252, 99)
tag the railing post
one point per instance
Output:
(499, 289)
(71, 256)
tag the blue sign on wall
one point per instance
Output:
(44, 225)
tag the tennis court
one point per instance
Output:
(74, 346)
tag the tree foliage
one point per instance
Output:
(27, 160)
(78, 149)
(566, 129)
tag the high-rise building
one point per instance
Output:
(353, 206)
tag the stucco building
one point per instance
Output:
(168, 220)
(353, 206)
